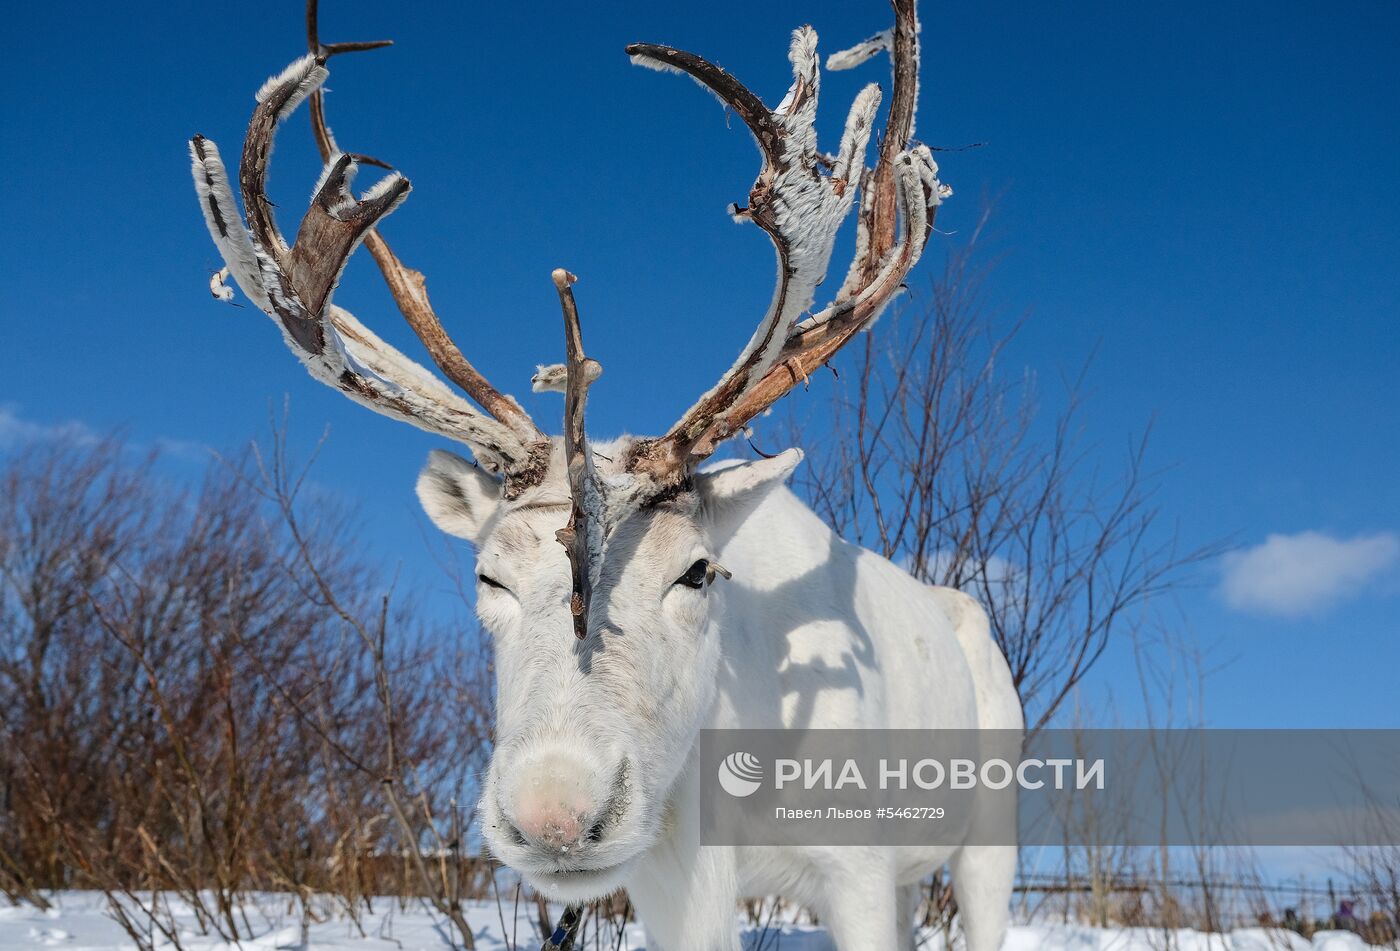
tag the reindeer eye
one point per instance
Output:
(491, 582)
(695, 575)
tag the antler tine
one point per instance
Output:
(876, 221)
(317, 48)
(802, 209)
(294, 284)
(918, 194)
(407, 285)
(582, 535)
(799, 208)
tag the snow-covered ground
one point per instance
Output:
(79, 922)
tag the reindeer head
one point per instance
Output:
(591, 732)
(596, 562)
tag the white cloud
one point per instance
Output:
(1293, 575)
(184, 449)
(15, 430)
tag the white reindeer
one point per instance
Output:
(614, 649)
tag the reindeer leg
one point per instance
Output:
(982, 880)
(860, 905)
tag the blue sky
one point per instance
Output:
(1202, 195)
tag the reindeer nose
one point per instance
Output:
(555, 826)
(552, 803)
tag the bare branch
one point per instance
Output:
(934, 460)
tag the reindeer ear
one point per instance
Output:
(729, 494)
(459, 497)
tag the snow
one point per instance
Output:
(79, 922)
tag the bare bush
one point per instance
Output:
(204, 693)
(938, 458)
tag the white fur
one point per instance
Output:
(554, 377)
(812, 632)
(853, 56)
(218, 288)
(305, 73)
(226, 228)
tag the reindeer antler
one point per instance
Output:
(582, 536)
(800, 199)
(801, 208)
(293, 284)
